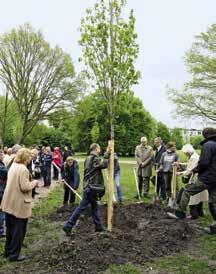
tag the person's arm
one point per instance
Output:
(162, 161)
(3, 172)
(98, 164)
(139, 161)
(205, 158)
(76, 176)
(25, 184)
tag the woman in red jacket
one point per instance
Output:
(57, 160)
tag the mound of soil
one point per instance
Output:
(141, 233)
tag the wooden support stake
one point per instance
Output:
(114, 198)
(110, 187)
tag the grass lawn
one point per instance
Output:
(42, 232)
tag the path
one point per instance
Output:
(44, 191)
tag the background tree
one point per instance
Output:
(38, 77)
(196, 140)
(132, 122)
(9, 116)
(198, 97)
(109, 49)
(163, 132)
(176, 136)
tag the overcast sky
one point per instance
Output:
(166, 29)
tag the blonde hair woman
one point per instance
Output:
(16, 203)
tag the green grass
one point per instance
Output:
(42, 233)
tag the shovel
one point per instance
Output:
(172, 200)
(73, 190)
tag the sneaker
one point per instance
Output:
(67, 231)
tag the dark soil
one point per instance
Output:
(141, 233)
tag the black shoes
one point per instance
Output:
(178, 215)
(20, 258)
(67, 231)
(100, 229)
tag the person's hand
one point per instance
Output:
(179, 173)
(175, 164)
(37, 183)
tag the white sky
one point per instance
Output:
(166, 29)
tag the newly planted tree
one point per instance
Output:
(109, 50)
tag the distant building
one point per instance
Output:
(188, 133)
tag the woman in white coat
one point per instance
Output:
(196, 201)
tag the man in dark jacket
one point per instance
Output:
(160, 149)
(3, 179)
(70, 174)
(93, 178)
(206, 177)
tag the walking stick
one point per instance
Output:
(137, 186)
(73, 190)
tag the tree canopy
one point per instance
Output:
(198, 97)
(38, 77)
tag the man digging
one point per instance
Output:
(93, 189)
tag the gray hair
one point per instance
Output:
(143, 139)
(188, 148)
(15, 148)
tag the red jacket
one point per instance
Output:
(57, 158)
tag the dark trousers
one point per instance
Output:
(55, 173)
(87, 199)
(15, 234)
(143, 182)
(167, 181)
(68, 194)
(196, 211)
(195, 188)
(47, 176)
(161, 190)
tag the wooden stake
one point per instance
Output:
(114, 198)
(174, 182)
(110, 187)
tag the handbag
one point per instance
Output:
(98, 190)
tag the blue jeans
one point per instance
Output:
(2, 219)
(86, 200)
(118, 185)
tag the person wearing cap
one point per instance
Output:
(143, 154)
(188, 176)
(70, 173)
(206, 170)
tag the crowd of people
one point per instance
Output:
(21, 169)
